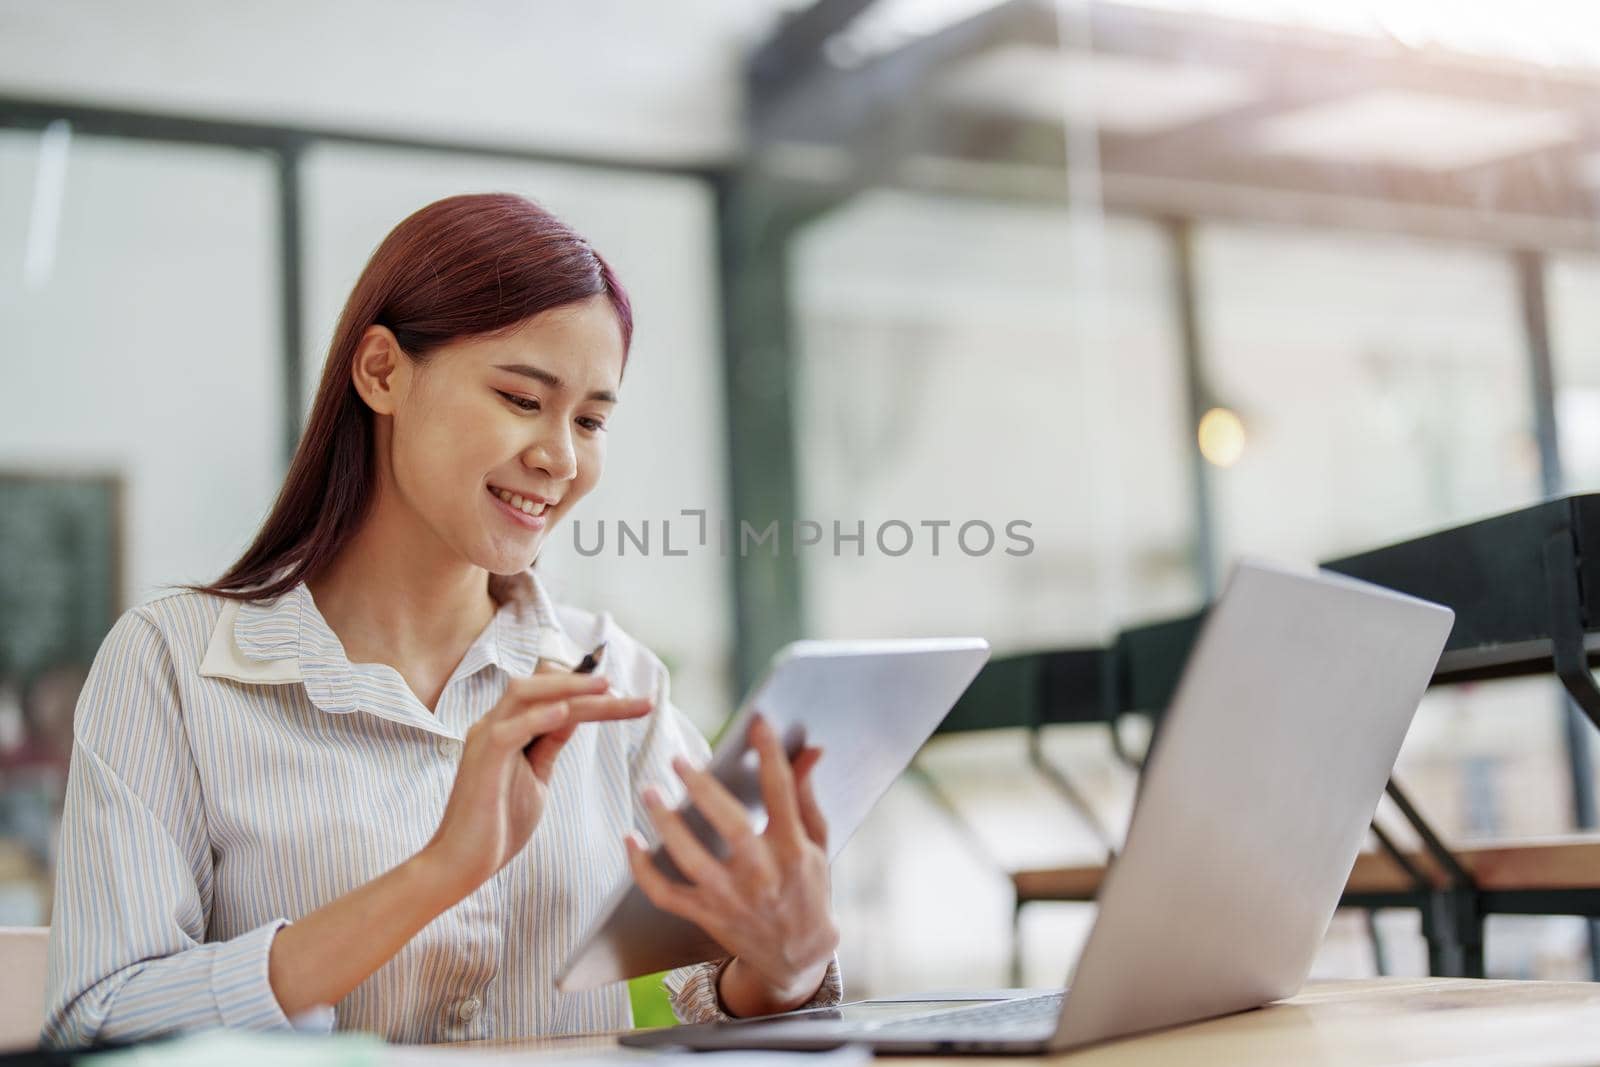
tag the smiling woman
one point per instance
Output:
(309, 790)
(462, 273)
(479, 454)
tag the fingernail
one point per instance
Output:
(680, 764)
(652, 796)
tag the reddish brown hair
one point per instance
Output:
(463, 267)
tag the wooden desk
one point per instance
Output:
(1382, 1022)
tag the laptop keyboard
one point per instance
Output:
(1026, 1017)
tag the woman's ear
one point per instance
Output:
(381, 371)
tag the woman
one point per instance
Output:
(306, 784)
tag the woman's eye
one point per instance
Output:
(521, 402)
(591, 424)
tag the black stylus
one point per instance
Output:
(585, 666)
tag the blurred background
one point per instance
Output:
(1170, 282)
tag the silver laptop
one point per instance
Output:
(1252, 806)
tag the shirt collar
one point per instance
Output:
(286, 640)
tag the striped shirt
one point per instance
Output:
(232, 770)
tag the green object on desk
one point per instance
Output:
(651, 1005)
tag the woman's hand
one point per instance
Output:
(494, 805)
(768, 902)
(499, 794)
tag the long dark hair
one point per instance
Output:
(461, 267)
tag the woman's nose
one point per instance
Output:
(554, 455)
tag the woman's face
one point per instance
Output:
(497, 438)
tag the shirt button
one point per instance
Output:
(449, 747)
(468, 1009)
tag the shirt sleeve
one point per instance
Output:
(128, 951)
(692, 989)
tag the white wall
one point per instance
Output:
(643, 80)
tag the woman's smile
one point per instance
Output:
(526, 512)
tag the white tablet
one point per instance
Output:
(869, 705)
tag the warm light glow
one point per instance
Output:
(1221, 437)
(1553, 32)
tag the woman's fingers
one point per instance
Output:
(542, 752)
(725, 814)
(518, 730)
(804, 761)
(697, 864)
(604, 708)
(777, 782)
(581, 710)
(810, 811)
(662, 891)
(543, 688)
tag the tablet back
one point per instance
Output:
(869, 705)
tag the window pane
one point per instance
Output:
(1573, 288)
(1383, 386)
(942, 378)
(138, 287)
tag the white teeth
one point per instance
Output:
(516, 500)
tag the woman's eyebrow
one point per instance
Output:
(538, 374)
